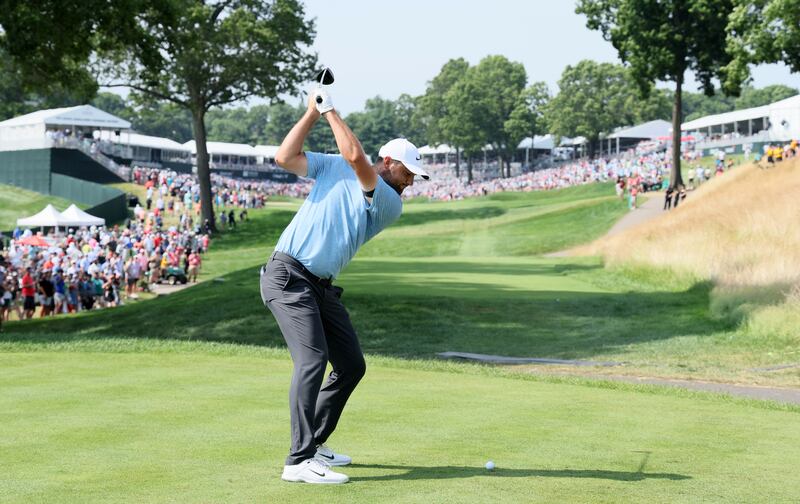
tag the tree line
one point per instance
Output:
(187, 61)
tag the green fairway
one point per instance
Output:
(16, 203)
(193, 423)
(152, 402)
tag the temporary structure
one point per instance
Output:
(48, 217)
(74, 216)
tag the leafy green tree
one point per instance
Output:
(527, 118)
(282, 117)
(498, 84)
(696, 105)
(431, 111)
(51, 41)
(408, 122)
(463, 124)
(197, 55)
(228, 125)
(201, 55)
(593, 98)
(162, 119)
(661, 41)
(762, 31)
(114, 104)
(752, 97)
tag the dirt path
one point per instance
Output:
(649, 210)
(785, 395)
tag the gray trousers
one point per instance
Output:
(317, 329)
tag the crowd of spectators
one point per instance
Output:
(91, 268)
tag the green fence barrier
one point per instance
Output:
(28, 169)
(67, 174)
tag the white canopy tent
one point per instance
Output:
(48, 217)
(74, 216)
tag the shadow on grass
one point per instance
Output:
(405, 315)
(452, 472)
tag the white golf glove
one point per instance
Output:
(323, 101)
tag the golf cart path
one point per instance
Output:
(649, 210)
(778, 394)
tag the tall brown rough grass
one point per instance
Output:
(741, 230)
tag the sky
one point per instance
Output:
(388, 48)
(377, 47)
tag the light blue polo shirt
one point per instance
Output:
(335, 219)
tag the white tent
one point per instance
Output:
(48, 217)
(74, 216)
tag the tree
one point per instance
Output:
(752, 97)
(463, 122)
(762, 31)
(114, 104)
(431, 112)
(593, 98)
(408, 121)
(195, 54)
(498, 84)
(201, 55)
(661, 41)
(51, 41)
(527, 118)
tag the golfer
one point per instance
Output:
(352, 201)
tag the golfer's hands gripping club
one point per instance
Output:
(322, 100)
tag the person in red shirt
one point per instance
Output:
(28, 293)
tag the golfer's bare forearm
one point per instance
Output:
(290, 154)
(351, 151)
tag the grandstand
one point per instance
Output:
(754, 127)
(53, 152)
(242, 160)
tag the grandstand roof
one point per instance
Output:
(792, 102)
(224, 148)
(649, 130)
(439, 149)
(268, 151)
(539, 142)
(82, 115)
(138, 140)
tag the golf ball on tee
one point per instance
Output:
(490, 466)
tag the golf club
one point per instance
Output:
(324, 77)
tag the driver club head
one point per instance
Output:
(325, 76)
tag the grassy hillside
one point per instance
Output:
(739, 232)
(457, 277)
(16, 203)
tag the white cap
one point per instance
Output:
(404, 151)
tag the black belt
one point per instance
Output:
(324, 282)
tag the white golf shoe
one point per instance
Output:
(327, 455)
(313, 471)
